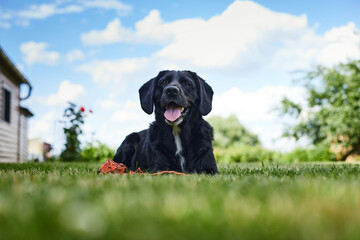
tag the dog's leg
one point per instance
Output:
(208, 164)
(126, 153)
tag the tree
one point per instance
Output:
(332, 113)
(229, 132)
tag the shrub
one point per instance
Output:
(74, 120)
(96, 152)
(247, 153)
(296, 155)
(229, 132)
(243, 154)
(317, 153)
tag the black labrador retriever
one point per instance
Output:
(179, 139)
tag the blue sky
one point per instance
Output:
(98, 53)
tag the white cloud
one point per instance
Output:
(256, 110)
(339, 44)
(42, 11)
(245, 37)
(46, 10)
(114, 32)
(36, 52)
(108, 5)
(125, 116)
(118, 119)
(133, 105)
(43, 126)
(218, 41)
(239, 36)
(152, 29)
(5, 25)
(109, 104)
(4, 15)
(149, 30)
(254, 106)
(246, 41)
(117, 73)
(113, 104)
(22, 22)
(75, 54)
(129, 112)
(67, 92)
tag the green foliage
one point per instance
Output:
(233, 143)
(243, 153)
(333, 111)
(319, 153)
(75, 118)
(291, 108)
(245, 201)
(96, 152)
(229, 132)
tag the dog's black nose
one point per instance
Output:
(172, 91)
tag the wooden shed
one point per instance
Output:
(14, 118)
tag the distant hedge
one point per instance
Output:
(260, 154)
(96, 152)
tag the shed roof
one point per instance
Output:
(5, 61)
(26, 112)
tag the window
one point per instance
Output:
(6, 105)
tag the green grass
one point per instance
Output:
(246, 201)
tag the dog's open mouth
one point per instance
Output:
(173, 112)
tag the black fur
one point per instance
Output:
(154, 149)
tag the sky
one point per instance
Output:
(97, 54)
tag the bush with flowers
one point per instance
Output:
(75, 119)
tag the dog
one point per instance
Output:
(179, 139)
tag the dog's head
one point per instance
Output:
(176, 95)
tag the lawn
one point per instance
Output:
(70, 201)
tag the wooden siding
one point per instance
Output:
(23, 138)
(9, 131)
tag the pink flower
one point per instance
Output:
(90, 111)
(82, 109)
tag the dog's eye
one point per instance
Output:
(187, 83)
(163, 82)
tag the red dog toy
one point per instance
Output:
(113, 167)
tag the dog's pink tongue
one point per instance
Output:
(172, 113)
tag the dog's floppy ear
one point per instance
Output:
(206, 95)
(146, 93)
